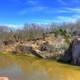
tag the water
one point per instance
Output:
(28, 68)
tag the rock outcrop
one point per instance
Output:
(72, 54)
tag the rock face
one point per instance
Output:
(44, 47)
(72, 54)
(76, 52)
(23, 49)
(8, 42)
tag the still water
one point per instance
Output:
(29, 68)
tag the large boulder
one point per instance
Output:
(72, 54)
(76, 52)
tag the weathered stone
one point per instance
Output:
(23, 49)
(72, 54)
(8, 42)
(44, 47)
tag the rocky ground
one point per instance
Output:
(49, 47)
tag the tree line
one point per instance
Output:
(36, 31)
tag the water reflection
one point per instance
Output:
(28, 68)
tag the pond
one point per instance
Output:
(30, 68)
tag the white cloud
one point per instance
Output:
(66, 19)
(75, 1)
(22, 12)
(31, 9)
(13, 0)
(72, 18)
(73, 10)
(55, 10)
(71, 2)
(13, 25)
(63, 10)
(62, 2)
(32, 2)
(39, 8)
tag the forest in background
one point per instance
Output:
(35, 31)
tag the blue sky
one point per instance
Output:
(18, 12)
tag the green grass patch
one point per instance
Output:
(3, 53)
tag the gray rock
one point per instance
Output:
(72, 54)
